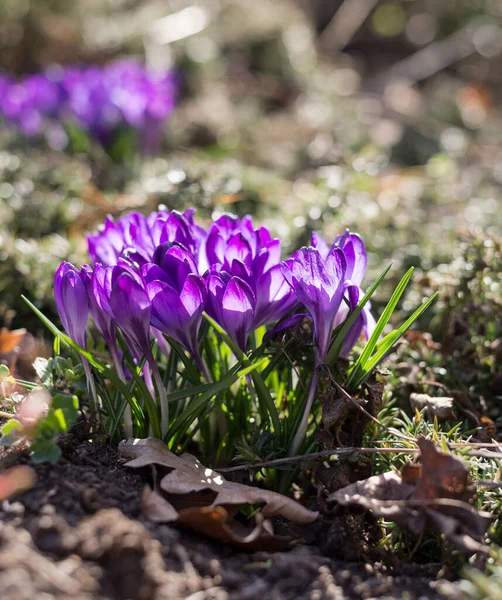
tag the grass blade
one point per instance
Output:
(261, 389)
(385, 345)
(358, 367)
(105, 371)
(186, 417)
(336, 346)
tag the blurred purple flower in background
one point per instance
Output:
(102, 101)
(29, 103)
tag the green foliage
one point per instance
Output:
(62, 414)
(376, 349)
(43, 435)
(59, 373)
(479, 585)
(10, 431)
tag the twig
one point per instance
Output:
(369, 415)
(432, 59)
(349, 450)
(493, 484)
(346, 22)
(315, 455)
(450, 444)
(428, 382)
(481, 454)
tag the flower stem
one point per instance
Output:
(252, 391)
(201, 363)
(128, 425)
(302, 428)
(91, 385)
(164, 405)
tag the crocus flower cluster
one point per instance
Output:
(157, 274)
(102, 101)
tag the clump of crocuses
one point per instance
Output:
(153, 278)
(104, 102)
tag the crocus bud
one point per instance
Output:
(319, 286)
(232, 303)
(105, 325)
(131, 310)
(177, 293)
(72, 304)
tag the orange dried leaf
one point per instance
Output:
(9, 340)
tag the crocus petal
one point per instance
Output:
(318, 285)
(165, 305)
(176, 262)
(369, 322)
(131, 310)
(178, 314)
(267, 257)
(237, 249)
(215, 289)
(102, 319)
(320, 244)
(274, 297)
(193, 296)
(192, 303)
(357, 259)
(72, 304)
(237, 309)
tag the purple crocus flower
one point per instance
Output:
(120, 291)
(228, 235)
(232, 303)
(234, 246)
(177, 294)
(140, 236)
(319, 286)
(103, 101)
(123, 94)
(97, 301)
(72, 304)
(130, 309)
(30, 102)
(355, 254)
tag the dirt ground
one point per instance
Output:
(79, 534)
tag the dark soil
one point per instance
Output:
(79, 534)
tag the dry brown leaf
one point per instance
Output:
(434, 495)
(185, 491)
(442, 475)
(216, 522)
